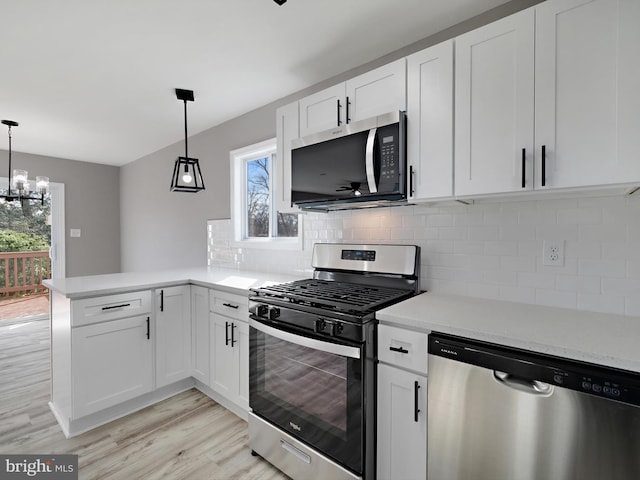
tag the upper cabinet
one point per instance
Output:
(545, 99)
(379, 91)
(430, 122)
(587, 102)
(494, 107)
(287, 129)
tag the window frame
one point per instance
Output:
(239, 159)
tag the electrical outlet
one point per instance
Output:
(553, 253)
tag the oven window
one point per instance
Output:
(310, 393)
(312, 381)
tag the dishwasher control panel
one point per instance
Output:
(526, 367)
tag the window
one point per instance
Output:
(255, 215)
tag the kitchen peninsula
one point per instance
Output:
(121, 342)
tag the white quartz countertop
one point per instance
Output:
(605, 339)
(233, 281)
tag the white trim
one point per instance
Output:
(238, 160)
(57, 250)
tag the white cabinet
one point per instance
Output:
(587, 103)
(494, 107)
(287, 129)
(402, 404)
(376, 92)
(200, 336)
(322, 110)
(111, 362)
(230, 347)
(430, 122)
(173, 334)
(547, 98)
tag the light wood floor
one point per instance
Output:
(188, 436)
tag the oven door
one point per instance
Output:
(310, 388)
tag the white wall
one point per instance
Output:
(488, 250)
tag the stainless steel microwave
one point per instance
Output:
(359, 164)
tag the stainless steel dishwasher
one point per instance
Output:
(498, 413)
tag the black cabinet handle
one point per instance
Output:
(416, 410)
(117, 306)
(162, 300)
(398, 349)
(524, 166)
(233, 339)
(411, 192)
(226, 333)
(338, 110)
(148, 328)
(348, 103)
(544, 165)
(230, 305)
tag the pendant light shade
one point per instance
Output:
(187, 176)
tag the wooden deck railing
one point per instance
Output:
(23, 272)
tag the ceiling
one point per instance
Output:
(94, 80)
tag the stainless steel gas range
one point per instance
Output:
(312, 360)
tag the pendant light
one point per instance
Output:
(19, 181)
(187, 176)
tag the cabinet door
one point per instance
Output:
(494, 87)
(224, 357)
(173, 334)
(287, 129)
(322, 110)
(111, 363)
(242, 347)
(587, 102)
(377, 92)
(200, 333)
(402, 441)
(430, 122)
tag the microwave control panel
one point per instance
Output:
(389, 158)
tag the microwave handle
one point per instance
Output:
(369, 165)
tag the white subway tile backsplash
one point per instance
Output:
(487, 249)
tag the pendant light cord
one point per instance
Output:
(10, 172)
(186, 141)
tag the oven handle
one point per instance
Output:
(342, 350)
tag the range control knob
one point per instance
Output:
(274, 312)
(262, 310)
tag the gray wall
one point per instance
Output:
(92, 204)
(161, 229)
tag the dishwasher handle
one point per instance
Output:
(535, 387)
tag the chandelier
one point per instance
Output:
(19, 185)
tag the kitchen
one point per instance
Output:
(490, 249)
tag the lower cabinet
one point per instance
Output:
(200, 337)
(230, 358)
(112, 362)
(173, 334)
(402, 404)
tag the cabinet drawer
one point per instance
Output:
(403, 348)
(110, 307)
(229, 304)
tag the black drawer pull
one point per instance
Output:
(398, 349)
(230, 305)
(524, 166)
(148, 328)
(162, 300)
(116, 306)
(416, 410)
(233, 339)
(226, 333)
(544, 165)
